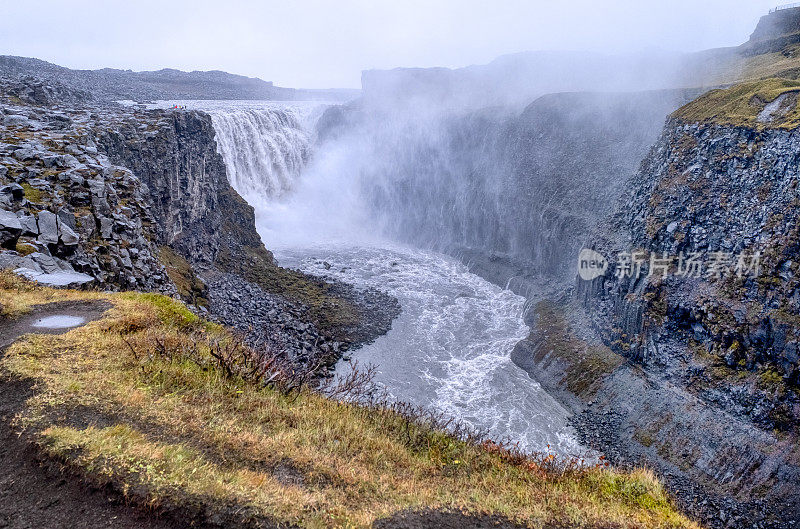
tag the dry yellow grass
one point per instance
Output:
(740, 105)
(176, 432)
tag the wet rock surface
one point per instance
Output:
(719, 418)
(600, 427)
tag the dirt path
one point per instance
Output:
(35, 494)
(429, 519)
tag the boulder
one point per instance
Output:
(29, 226)
(67, 235)
(106, 227)
(67, 160)
(58, 228)
(50, 160)
(10, 228)
(16, 191)
(13, 260)
(47, 263)
(66, 217)
(56, 279)
(48, 227)
(26, 154)
(16, 120)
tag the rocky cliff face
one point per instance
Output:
(175, 155)
(774, 32)
(726, 196)
(711, 323)
(75, 210)
(133, 181)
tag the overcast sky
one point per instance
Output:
(326, 43)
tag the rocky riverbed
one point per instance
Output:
(273, 321)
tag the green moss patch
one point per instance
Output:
(24, 248)
(32, 194)
(586, 365)
(189, 286)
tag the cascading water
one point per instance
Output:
(264, 149)
(265, 145)
(450, 347)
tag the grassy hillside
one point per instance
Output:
(730, 65)
(140, 400)
(741, 105)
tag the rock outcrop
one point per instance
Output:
(75, 211)
(774, 32)
(705, 389)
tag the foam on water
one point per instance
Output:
(450, 347)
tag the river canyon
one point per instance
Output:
(456, 330)
(253, 245)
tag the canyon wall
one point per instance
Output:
(695, 377)
(519, 189)
(122, 198)
(694, 367)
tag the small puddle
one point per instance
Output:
(59, 322)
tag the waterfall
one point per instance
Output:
(264, 148)
(521, 189)
(400, 178)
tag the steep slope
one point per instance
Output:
(170, 414)
(711, 323)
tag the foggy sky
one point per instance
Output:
(319, 44)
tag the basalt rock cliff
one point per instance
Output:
(693, 368)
